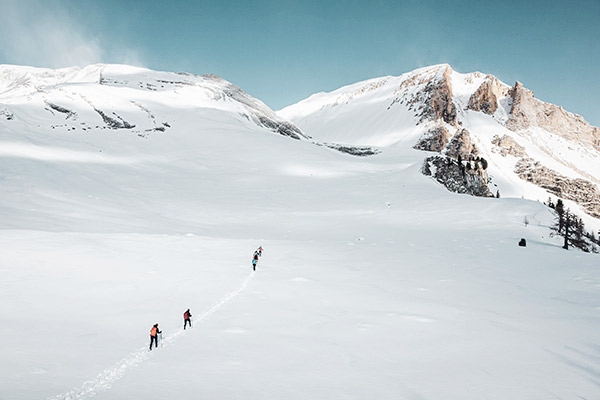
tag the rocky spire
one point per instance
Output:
(438, 103)
(486, 97)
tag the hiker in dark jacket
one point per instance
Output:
(254, 261)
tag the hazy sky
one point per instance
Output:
(283, 51)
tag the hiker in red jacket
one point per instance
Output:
(154, 332)
(187, 318)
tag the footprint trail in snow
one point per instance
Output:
(105, 379)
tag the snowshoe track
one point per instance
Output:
(109, 376)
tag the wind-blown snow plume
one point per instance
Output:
(45, 33)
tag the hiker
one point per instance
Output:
(254, 261)
(154, 332)
(259, 251)
(186, 318)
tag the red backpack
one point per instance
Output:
(153, 331)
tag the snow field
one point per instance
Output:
(99, 293)
(376, 282)
(104, 380)
(384, 315)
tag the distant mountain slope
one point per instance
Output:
(526, 144)
(487, 138)
(123, 97)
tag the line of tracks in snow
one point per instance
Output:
(105, 379)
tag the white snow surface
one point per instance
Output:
(375, 281)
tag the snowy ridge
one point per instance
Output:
(142, 101)
(108, 377)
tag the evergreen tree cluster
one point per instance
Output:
(472, 164)
(572, 229)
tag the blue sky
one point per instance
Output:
(283, 51)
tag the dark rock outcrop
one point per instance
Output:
(258, 112)
(359, 151)
(456, 178)
(113, 123)
(69, 113)
(281, 127)
(6, 114)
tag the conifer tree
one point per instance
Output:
(560, 210)
(572, 231)
(567, 225)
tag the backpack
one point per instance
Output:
(153, 331)
(186, 315)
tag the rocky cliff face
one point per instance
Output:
(435, 139)
(523, 113)
(435, 104)
(486, 97)
(462, 146)
(527, 111)
(438, 104)
(433, 100)
(580, 191)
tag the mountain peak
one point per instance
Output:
(474, 116)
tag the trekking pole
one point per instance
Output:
(160, 337)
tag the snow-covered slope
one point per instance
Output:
(506, 126)
(142, 101)
(376, 282)
(379, 112)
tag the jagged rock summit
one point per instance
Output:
(482, 132)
